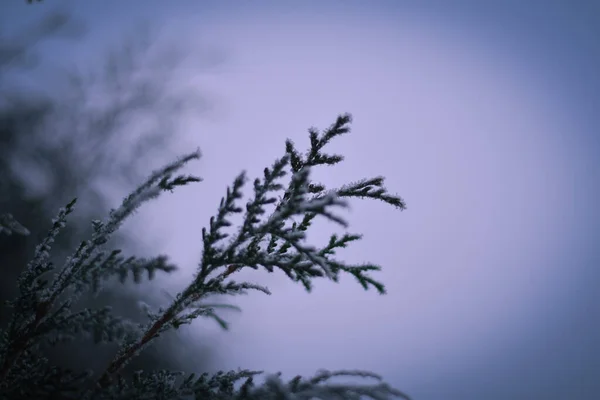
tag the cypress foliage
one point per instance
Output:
(272, 235)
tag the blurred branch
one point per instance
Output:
(17, 51)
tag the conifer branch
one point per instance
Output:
(272, 235)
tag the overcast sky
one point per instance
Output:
(482, 115)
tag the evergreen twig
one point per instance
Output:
(43, 311)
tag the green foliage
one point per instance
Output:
(268, 237)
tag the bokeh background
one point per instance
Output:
(482, 115)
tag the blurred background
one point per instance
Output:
(482, 115)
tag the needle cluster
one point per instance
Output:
(272, 235)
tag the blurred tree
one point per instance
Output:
(102, 127)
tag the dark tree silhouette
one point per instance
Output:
(56, 146)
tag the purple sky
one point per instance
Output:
(483, 118)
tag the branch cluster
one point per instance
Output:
(43, 312)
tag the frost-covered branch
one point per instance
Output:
(36, 313)
(272, 235)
